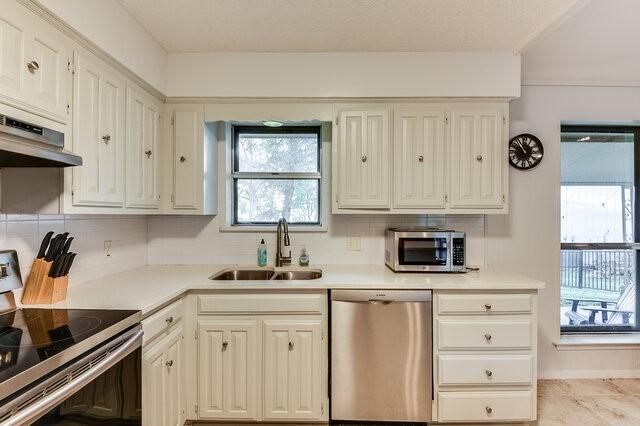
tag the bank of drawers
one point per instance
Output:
(485, 356)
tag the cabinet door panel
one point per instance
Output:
(174, 399)
(142, 148)
(210, 353)
(153, 387)
(188, 151)
(377, 165)
(98, 135)
(12, 53)
(292, 367)
(229, 356)
(363, 160)
(304, 374)
(276, 370)
(476, 161)
(419, 159)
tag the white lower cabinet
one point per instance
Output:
(228, 352)
(163, 401)
(259, 361)
(485, 356)
(292, 369)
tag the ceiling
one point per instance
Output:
(346, 25)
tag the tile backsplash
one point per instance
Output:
(128, 237)
(139, 240)
(198, 240)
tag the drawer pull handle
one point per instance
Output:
(169, 320)
(290, 346)
(487, 337)
(106, 139)
(489, 410)
(489, 373)
(148, 153)
(364, 158)
(487, 306)
(169, 363)
(183, 158)
(421, 158)
(225, 344)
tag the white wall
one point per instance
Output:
(343, 75)
(527, 240)
(197, 240)
(598, 45)
(128, 236)
(109, 25)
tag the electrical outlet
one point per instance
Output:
(107, 247)
(353, 243)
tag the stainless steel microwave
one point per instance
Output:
(425, 250)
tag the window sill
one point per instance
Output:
(584, 342)
(292, 229)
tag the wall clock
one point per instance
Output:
(525, 151)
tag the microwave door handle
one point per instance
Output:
(41, 406)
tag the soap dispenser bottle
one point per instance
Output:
(262, 253)
(304, 257)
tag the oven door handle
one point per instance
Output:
(41, 406)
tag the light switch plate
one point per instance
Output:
(353, 244)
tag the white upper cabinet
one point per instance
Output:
(143, 128)
(188, 127)
(419, 152)
(292, 369)
(98, 133)
(363, 159)
(477, 157)
(13, 40)
(34, 63)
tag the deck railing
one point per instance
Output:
(609, 270)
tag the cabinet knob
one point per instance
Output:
(364, 158)
(479, 158)
(183, 158)
(33, 66)
(487, 306)
(487, 337)
(421, 158)
(148, 153)
(106, 138)
(290, 346)
(169, 363)
(169, 320)
(225, 344)
(489, 410)
(489, 373)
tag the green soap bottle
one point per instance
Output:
(262, 253)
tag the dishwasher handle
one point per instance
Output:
(380, 296)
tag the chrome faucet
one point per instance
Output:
(282, 241)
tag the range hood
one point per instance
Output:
(23, 144)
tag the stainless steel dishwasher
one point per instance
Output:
(381, 355)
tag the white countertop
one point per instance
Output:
(150, 287)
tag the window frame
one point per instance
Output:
(635, 245)
(236, 175)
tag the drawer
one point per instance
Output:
(482, 406)
(458, 334)
(485, 370)
(162, 320)
(484, 303)
(262, 303)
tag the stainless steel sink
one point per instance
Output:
(243, 274)
(266, 274)
(311, 274)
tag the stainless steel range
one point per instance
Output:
(62, 366)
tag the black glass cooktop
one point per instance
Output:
(29, 337)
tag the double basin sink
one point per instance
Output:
(242, 274)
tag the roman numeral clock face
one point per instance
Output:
(525, 151)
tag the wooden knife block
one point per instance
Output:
(41, 288)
